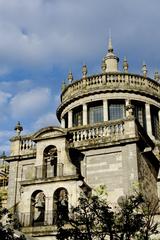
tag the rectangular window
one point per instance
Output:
(116, 110)
(155, 122)
(77, 116)
(95, 113)
(139, 112)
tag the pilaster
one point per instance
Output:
(70, 118)
(105, 109)
(85, 114)
(63, 123)
(148, 119)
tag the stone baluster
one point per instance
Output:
(81, 135)
(89, 134)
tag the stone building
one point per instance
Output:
(3, 181)
(109, 134)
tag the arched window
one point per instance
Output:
(37, 208)
(50, 162)
(60, 205)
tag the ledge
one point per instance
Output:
(20, 157)
(40, 230)
(49, 180)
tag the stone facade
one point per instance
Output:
(109, 135)
(3, 182)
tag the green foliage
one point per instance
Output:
(8, 223)
(94, 218)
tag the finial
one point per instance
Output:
(144, 69)
(70, 77)
(18, 128)
(125, 65)
(84, 71)
(63, 85)
(156, 76)
(103, 66)
(110, 47)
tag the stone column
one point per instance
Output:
(85, 114)
(49, 213)
(70, 120)
(63, 123)
(148, 119)
(105, 110)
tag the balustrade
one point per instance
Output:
(112, 80)
(26, 219)
(27, 145)
(98, 131)
(48, 171)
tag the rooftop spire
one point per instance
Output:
(110, 47)
(110, 60)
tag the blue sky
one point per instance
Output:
(42, 40)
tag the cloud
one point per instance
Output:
(4, 141)
(16, 86)
(5, 133)
(48, 119)
(4, 70)
(42, 32)
(31, 103)
(4, 97)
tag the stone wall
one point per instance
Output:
(147, 174)
(115, 167)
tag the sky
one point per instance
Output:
(42, 40)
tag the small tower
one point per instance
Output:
(18, 128)
(144, 69)
(156, 76)
(70, 77)
(84, 71)
(111, 60)
(125, 65)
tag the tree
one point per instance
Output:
(94, 218)
(8, 224)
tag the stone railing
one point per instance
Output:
(26, 219)
(111, 81)
(44, 171)
(103, 132)
(27, 145)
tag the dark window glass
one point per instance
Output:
(66, 120)
(116, 110)
(155, 122)
(77, 117)
(95, 113)
(139, 112)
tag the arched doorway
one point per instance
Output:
(50, 161)
(37, 208)
(60, 206)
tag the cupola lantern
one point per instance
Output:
(111, 60)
